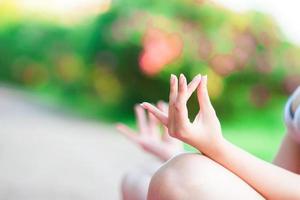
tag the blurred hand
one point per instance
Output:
(204, 133)
(150, 137)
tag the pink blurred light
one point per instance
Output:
(159, 50)
(223, 64)
(259, 95)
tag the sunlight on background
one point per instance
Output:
(65, 11)
(73, 52)
(286, 13)
(87, 63)
(69, 11)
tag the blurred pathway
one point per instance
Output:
(47, 155)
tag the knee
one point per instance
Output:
(182, 177)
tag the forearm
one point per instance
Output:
(205, 134)
(288, 156)
(271, 181)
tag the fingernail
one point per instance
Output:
(184, 79)
(143, 104)
(181, 77)
(205, 79)
(172, 78)
(160, 103)
(198, 76)
(137, 107)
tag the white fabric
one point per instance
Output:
(293, 122)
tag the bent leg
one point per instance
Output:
(135, 183)
(194, 176)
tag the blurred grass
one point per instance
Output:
(258, 131)
(75, 68)
(255, 129)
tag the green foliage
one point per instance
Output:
(127, 54)
(102, 68)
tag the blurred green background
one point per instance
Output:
(123, 53)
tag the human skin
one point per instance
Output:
(288, 156)
(193, 176)
(135, 183)
(153, 139)
(205, 134)
(151, 136)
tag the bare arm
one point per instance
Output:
(271, 181)
(288, 156)
(205, 134)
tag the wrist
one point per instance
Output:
(214, 149)
(223, 150)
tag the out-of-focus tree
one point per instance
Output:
(126, 56)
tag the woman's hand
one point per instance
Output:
(149, 136)
(204, 133)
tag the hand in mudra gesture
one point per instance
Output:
(151, 136)
(204, 133)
